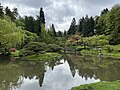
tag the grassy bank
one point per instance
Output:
(114, 54)
(100, 86)
(46, 56)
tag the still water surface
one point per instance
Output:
(53, 75)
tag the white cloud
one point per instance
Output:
(60, 12)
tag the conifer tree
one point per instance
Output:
(1, 10)
(53, 29)
(42, 17)
(72, 28)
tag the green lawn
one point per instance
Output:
(100, 86)
(46, 56)
(114, 54)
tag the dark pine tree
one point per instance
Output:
(91, 26)
(59, 34)
(37, 26)
(105, 11)
(8, 12)
(65, 33)
(42, 17)
(29, 23)
(72, 28)
(11, 14)
(1, 10)
(85, 26)
(80, 26)
(53, 29)
(15, 12)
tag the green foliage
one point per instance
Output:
(10, 35)
(113, 24)
(109, 24)
(29, 37)
(15, 54)
(43, 34)
(108, 48)
(11, 14)
(112, 48)
(99, 40)
(20, 22)
(101, 25)
(52, 31)
(79, 48)
(36, 46)
(47, 36)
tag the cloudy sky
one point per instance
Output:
(60, 12)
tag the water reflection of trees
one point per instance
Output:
(9, 75)
(38, 69)
(12, 73)
(88, 67)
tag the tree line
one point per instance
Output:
(107, 23)
(17, 31)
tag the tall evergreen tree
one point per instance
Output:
(29, 23)
(105, 11)
(15, 12)
(72, 28)
(8, 12)
(42, 17)
(53, 29)
(11, 14)
(91, 26)
(59, 33)
(65, 33)
(38, 26)
(85, 26)
(1, 10)
(40, 22)
(80, 25)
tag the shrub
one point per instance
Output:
(99, 40)
(74, 40)
(32, 48)
(108, 48)
(36, 46)
(53, 48)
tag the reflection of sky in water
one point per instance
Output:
(58, 79)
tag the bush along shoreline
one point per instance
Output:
(38, 51)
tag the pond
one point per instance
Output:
(70, 71)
